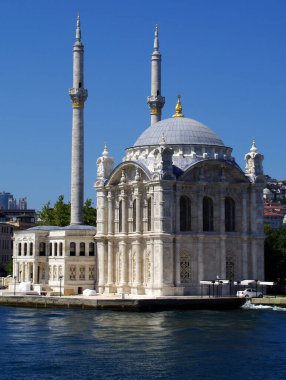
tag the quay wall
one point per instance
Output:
(157, 304)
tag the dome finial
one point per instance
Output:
(253, 147)
(178, 108)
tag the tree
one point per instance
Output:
(275, 254)
(59, 214)
(89, 213)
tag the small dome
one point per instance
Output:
(178, 131)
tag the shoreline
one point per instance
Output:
(123, 304)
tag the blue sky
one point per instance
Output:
(226, 58)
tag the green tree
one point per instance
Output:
(62, 212)
(275, 254)
(9, 267)
(59, 214)
(89, 213)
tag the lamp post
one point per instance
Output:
(220, 284)
(15, 285)
(213, 282)
(256, 281)
(60, 278)
(237, 286)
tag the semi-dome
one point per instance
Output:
(178, 131)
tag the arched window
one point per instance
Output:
(208, 214)
(51, 249)
(56, 249)
(185, 214)
(120, 216)
(42, 249)
(72, 249)
(134, 215)
(25, 249)
(61, 249)
(91, 249)
(31, 249)
(149, 214)
(82, 249)
(229, 214)
(19, 249)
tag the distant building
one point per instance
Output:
(5, 199)
(10, 222)
(6, 245)
(273, 219)
(274, 214)
(8, 202)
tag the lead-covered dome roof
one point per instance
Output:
(178, 131)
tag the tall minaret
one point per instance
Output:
(78, 96)
(156, 101)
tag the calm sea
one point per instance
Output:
(74, 344)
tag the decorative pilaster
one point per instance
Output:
(200, 259)
(110, 262)
(110, 213)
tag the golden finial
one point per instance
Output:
(178, 108)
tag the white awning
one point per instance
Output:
(266, 283)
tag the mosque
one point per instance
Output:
(176, 211)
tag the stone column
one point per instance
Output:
(200, 260)
(178, 195)
(222, 212)
(245, 274)
(138, 280)
(222, 269)
(110, 269)
(35, 272)
(244, 213)
(138, 214)
(101, 266)
(254, 258)
(177, 264)
(124, 214)
(199, 212)
(110, 214)
(124, 279)
(253, 210)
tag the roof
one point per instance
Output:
(178, 131)
(273, 214)
(57, 228)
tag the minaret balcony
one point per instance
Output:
(78, 96)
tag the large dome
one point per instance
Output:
(178, 131)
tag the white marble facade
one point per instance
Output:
(53, 256)
(171, 215)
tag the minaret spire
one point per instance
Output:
(78, 31)
(78, 96)
(156, 101)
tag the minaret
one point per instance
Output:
(156, 101)
(78, 96)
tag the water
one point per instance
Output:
(74, 344)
